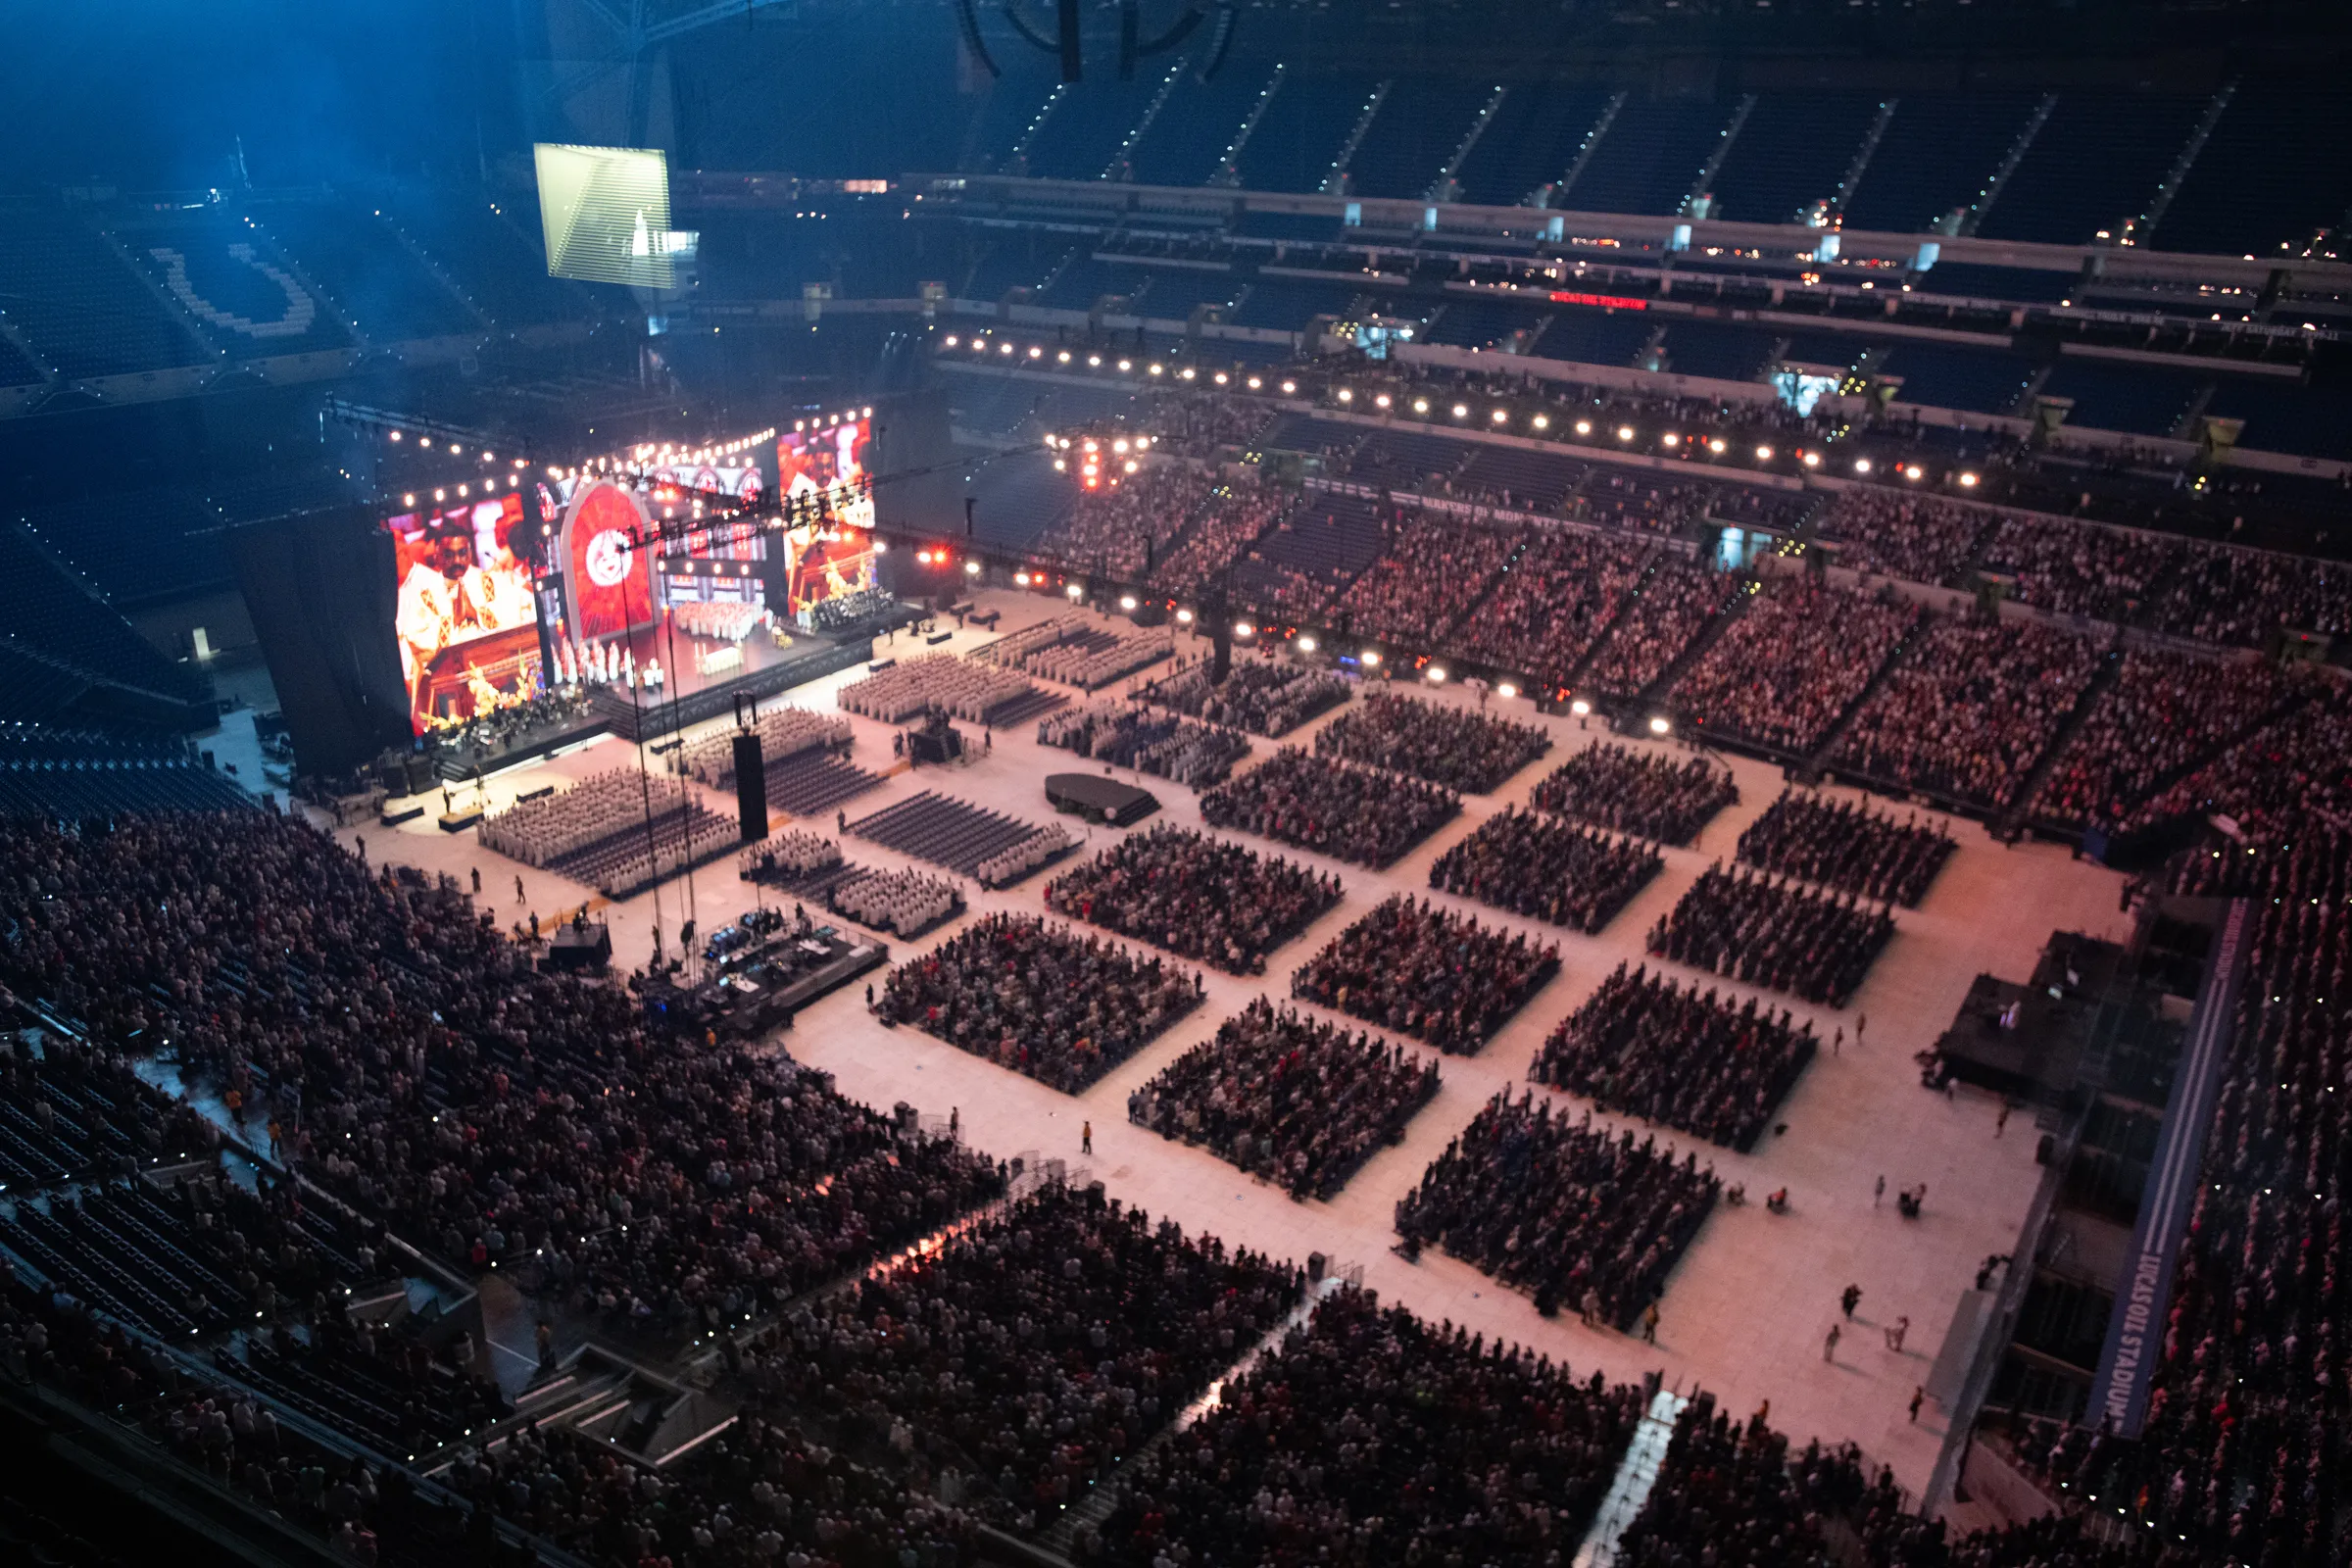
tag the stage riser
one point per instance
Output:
(664, 717)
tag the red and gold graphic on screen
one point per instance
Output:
(832, 553)
(465, 619)
(604, 570)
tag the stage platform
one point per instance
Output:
(688, 699)
(1100, 800)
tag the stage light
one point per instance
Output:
(1583, 428)
(1763, 454)
(1306, 645)
(1241, 628)
(1119, 446)
(440, 495)
(1036, 353)
(1220, 378)
(1581, 709)
(1914, 473)
(1095, 360)
(881, 546)
(1127, 600)
(396, 435)
(1540, 421)
(971, 568)
(408, 501)
(1718, 446)
(1063, 358)
(1811, 459)
(1142, 442)
(1076, 591)
(1506, 690)
(1659, 724)
(424, 441)
(1157, 369)
(1381, 402)
(1502, 415)
(1187, 373)
(1256, 383)
(1006, 349)
(1288, 387)
(489, 457)
(1462, 411)
(1861, 465)
(1183, 618)
(1625, 433)
(1132, 465)
(1021, 578)
(1436, 675)
(1968, 482)
(1125, 365)
(978, 347)
(1344, 395)
(1371, 656)
(1420, 404)
(1668, 439)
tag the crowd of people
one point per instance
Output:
(1462, 750)
(1371, 1439)
(1034, 1351)
(2243, 598)
(1733, 1492)
(1417, 969)
(1647, 794)
(1971, 709)
(1162, 744)
(1557, 598)
(1357, 814)
(1077, 651)
(908, 901)
(1119, 530)
(1226, 524)
(2164, 712)
(1674, 602)
(1208, 899)
(1781, 676)
(1286, 1096)
(410, 1060)
(1038, 999)
(1571, 1215)
(1547, 870)
(783, 732)
(1847, 845)
(2276, 781)
(933, 683)
(1261, 696)
(1645, 1047)
(1895, 533)
(1431, 575)
(1768, 931)
(2078, 568)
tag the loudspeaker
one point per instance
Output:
(750, 787)
(1315, 1266)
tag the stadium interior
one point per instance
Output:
(1177, 784)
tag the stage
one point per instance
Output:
(687, 696)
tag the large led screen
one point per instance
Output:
(466, 618)
(830, 551)
(606, 213)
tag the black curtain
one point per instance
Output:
(321, 592)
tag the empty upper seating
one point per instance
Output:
(357, 257)
(1421, 122)
(1530, 143)
(1650, 158)
(1017, 495)
(1301, 134)
(2139, 397)
(78, 306)
(222, 269)
(1938, 153)
(1708, 348)
(49, 614)
(1958, 378)
(1026, 260)
(2272, 176)
(1082, 134)
(1790, 153)
(490, 254)
(1199, 121)
(2094, 164)
(1473, 324)
(1289, 304)
(137, 544)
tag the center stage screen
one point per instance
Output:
(833, 553)
(465, 619)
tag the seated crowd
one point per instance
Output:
(1847, 845)
(933, 683)
(1456, 747)
(2242, 598)
(1224, 527)
(1781, 676)
(1430, 576)
(1970, 709)
(1646, 794)
(1547, 870)
(1643, 1047)
(1673, 605)
(908, 901)
(2078, 568)
(1159, 744)
(1035, 1351)
(1263, 697)
(1287, 1096)
(1767, 931)
(1356, 814)
(2277, 779)
(2165, 711)
(1423, 971)
(1556, 599)
(1117, 531)
(1573, 1216)
(1209, 899)
(1038, 999)
(1371, 1439)
(1894, 533)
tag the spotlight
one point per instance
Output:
(1063, 358)
(1076, 591)
(1306, 644)
(1095, 360)
(1968, 482)
(1583, 428)
(1021, 578)
(1157, 370)
(1420, 404)
(1382, 401)
(1241, 628)
(1220, 378)
(1462, 411)
(1186, 375)
(1132, 465)
(1718, 446)
(1502, 415)
(1542, 422)
(1811, 459)
(1659, 724)
(1436, 674)
(1006, 349)
(1288, 387)
(1346, 396)
(1125, 365)
(1506, 690)
(1581, 709)
(1668, 439)
(1257, 383)
(408, 501)
(1763, 454)
(1914, 473)
(1127, 600)
(396, 435)
(971, 568)
(1625, 433)
(1861, 465)
(1183, 618)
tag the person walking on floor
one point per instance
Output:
(1895, 1332)
(1828, 1347)
(1086, 1138)
(1649, 1324)
(477, 879)
(2001, 1121)
(1919, 1393)
(1878, 1192)
(1849, 1297)
(1588, 1309)
(518, 889)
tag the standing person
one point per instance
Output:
(955, 1122)
(477, 880)
(1837, 1040)
(1086, 1138)
(2001, 1121)
(1878, 1192)
(519, 895)
(1919, 1391)
(1589, 1307)
(1849, 1297)
(1649, 1324)
(1828, 1347)
(1895, 1332)
(1861, 1022)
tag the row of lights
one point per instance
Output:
(489, 487)
(1125, 365)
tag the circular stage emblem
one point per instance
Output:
(608, 558)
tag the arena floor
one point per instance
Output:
(1745, 1312)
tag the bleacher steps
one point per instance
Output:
(1446, 187)
(1121, 167)
(1704, 186)
(1334, 182)
(1974, 216)
(2140, 228)
(1862, 156)
(1553, 194)
(1229, 170)
(1016, 161)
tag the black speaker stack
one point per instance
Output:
(751, 786)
